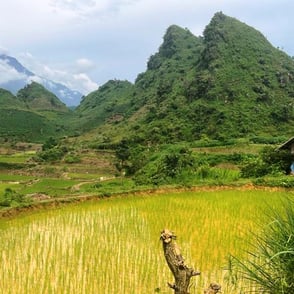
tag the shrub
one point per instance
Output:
(72, 158)
(269, 162)
(11, 198)
(282, 181)
(270, 262)
(53, 154)
(170, 165)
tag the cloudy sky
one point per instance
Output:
(84, 43)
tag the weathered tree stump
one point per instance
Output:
(181, 272)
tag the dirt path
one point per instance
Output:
(77, 187)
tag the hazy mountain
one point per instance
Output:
(14, 76)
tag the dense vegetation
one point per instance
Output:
(36, 97)
(33, 115)
(230, 83)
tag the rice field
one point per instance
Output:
(112, 245)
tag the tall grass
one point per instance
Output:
(270, 262)
(112, 245)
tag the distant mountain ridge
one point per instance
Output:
(24, 76)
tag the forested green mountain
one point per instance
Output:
(109, 104)
(36, 97)
(229, 83)
(8, 100)
(33, 115)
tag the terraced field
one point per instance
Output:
(112, 245)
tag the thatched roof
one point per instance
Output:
(286, 145)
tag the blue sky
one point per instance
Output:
(84, 43)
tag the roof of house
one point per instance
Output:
(287, 144)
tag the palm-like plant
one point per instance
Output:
(270, 262)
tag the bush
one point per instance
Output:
(269, 162)
(282, 181)
(72, 158)
(270, 262)
(11, 198)
(173, 164)
(50, 155)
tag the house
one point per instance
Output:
(288, 145)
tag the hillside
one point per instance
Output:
(250, 83)
(148, 99)
(36, 97)
(108, 104)
(229, 83)
(8, 100)
(33, 115)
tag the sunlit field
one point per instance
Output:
(112, 245)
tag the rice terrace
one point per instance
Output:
(112, 245)
(83, 226)
(179, 181)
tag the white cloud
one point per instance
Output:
(85, 8)
(35, 79)
(84, 65)
(85, 82)
(7, 73)
(3, 50)
(72, 75)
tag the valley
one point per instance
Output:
(193, 145)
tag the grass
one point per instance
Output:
(231, 149)
(10, 177)
(270, 259)
(112, 245)
(50, 186)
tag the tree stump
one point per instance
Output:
(213, 288)
(181, 272)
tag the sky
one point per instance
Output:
(85, 43)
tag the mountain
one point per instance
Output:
(9, 101)
(15, 76)
(229, 83)
(35, 97)
(109, 104)
(166, 72)
(33, 115)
